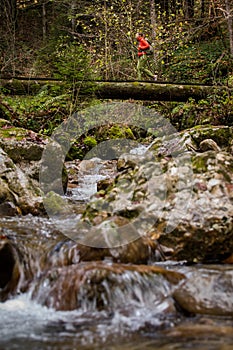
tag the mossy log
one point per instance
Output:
(26, 86)
(155, 91)
(136, 90)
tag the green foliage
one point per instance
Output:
(72, 63)
(106, 31)
(52, 104)
(98, 38)
(203, 62)
(41, 113)
(119, 131)
(214, 110)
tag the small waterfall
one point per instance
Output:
(97, 286)
(103, 305)
(72, 304)
(87, 187)
(134, 300)
(88, 173)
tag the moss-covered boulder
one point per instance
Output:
(180, 194)
(25, 148)
(17, 190)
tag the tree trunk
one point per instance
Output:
(153, 91)
(153, 28)
(9, 17)
(229, 17)
(189, 9)
(148, 91)
(44, 21)
(73, 7)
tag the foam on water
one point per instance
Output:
(23, 318)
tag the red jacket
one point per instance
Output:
(142, 46)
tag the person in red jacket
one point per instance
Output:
(143, 47)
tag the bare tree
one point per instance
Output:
(8, 13)
(228, 13)
(189, 8)
(44, 20)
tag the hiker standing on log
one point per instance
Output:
(143, 51)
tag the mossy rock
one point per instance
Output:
(55, 204)
(13, 132)
(76, 151)
(116, 131)
(222, 135)
(120, 132)
(199, 162)
(21, 144)
(4, 123)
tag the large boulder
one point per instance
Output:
(17, 192)
(26, 148)
(206, 290)
(21, 162)
(179, 194)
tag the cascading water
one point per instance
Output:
(126, 310)
(112, 301)
(87, 174)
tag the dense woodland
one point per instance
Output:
(81, 39)
(193, 39)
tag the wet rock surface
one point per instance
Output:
(106, 286)
(207, 290)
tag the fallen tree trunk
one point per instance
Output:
(121, 90)
(25, 86)
(155, 91)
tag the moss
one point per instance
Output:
(222, 135)
(4, 122)
(116, 132)
(75, 152)
(199, 163)
(90, 141)
(13, 132)
(54, 204)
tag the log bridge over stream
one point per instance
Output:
(121, 90)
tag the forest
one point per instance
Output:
(83, 40)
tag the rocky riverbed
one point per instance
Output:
(147, 236)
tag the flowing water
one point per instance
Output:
(139, 313)
(144, 322)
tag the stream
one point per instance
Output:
(139, 312)
(27, 325)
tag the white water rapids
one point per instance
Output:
(26, 323)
